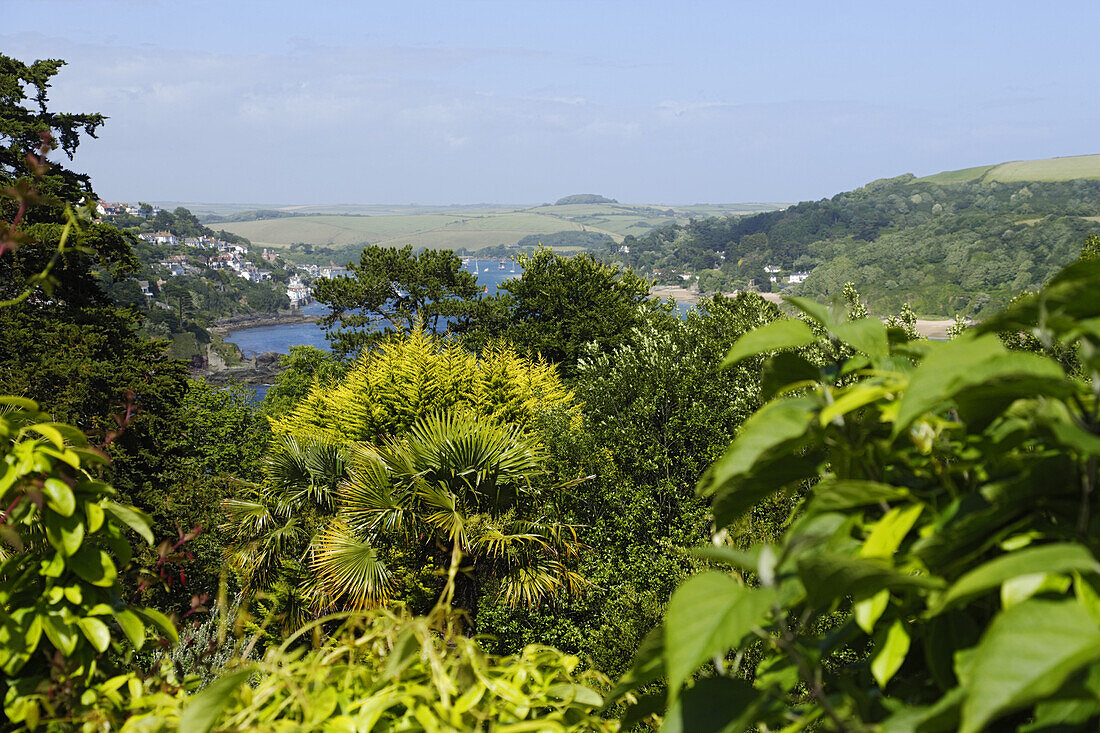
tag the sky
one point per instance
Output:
(525, 101)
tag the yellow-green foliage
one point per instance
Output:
(411, 375)
(388, 671)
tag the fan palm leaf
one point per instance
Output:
(350, 567)
(370, 500)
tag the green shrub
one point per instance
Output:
(387, 670)
(941, 571)
(65, 628)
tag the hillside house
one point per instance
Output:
(797, 277)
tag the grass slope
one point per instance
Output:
(1046, 169)
(470, 227)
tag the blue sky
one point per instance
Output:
(524, 102)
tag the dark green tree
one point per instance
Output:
(24, 121)
(560, 304)
(388, 291)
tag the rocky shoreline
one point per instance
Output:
(259, 320)
(263, 369)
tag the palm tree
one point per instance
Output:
(457, 486)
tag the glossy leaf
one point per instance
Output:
(890, 653)
(867, 335)
(162, 622)
(94, 566)
(1027, 654)
(59, 496)
(787, 333)
(889, 532)
(713, 705)
(1053, 558)
(831, 577)
(833, 495)
(868, 611)
(707, 615)
(96, 632)
(966, 364)
(132, 518)
(774, 427)
(132, 627)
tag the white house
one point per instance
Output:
(297, 291)
(772, 269)
(797, 277)
(174, 268)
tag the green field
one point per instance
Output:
(460, 226)
(1045, 169)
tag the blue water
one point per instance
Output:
(253, 341)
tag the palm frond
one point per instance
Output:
(350, 567)
(369, 500)
(527, 585)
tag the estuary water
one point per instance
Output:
(262, 339)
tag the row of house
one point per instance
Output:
(230, 261)
(203, 242)
(323, 270)
(104, 208)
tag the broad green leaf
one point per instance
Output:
(816, 311)
(940, 717)
(833, 495)
(1022, 587)
(162, 622)
(768, 476)
(96, 632)
(59, 496)
(714, 705)
(66, 534)
(869, 610)
(855, 397)
(783, 370)
(1027, 654)
(1074, 437)
(202, 710)
(890, 531)
(983, 369)
(62, 635)
(890, 653)
(132, 518)
(867, 335)
(93, 513)
(1053, 558)
(405, 650)
(707, 615)
(1086, 595)
(787, 333)
(775, 426)
(744, 559)
(573, 692)
(830, 577)
(95, 566)
(132, 627)
(50, 433)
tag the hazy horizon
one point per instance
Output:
(449, 104)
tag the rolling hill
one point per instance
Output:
(472, 228)
(1072, 167)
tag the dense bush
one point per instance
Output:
(408, 376)
(940, 572)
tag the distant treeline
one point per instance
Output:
(569, 238)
